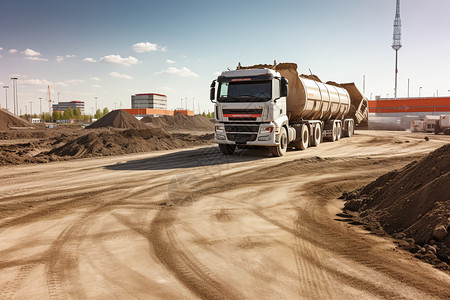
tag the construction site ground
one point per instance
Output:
(193, 223)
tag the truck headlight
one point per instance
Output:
(219, 129)
(266, 129)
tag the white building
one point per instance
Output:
(150, 100)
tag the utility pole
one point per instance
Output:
(364, 84)
(31, 110)
(96, 108)
(15, 98)
(40, 107)
(408, 87)
(397, 42)
(6, 95)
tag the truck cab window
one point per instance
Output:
(276, 88)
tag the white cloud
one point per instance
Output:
(75, 81)
(96, 86)
(95, 78)
(36, 82)
(89, 59)
(12, 50)
(1, 49)
(147, 47)
(183, 72)
(30, 52)
(123, 76)
(36, 58)
(169, 61)
(61, 58)
(118, 60)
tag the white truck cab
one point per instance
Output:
(250, 109)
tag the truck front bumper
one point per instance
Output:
(265, 134)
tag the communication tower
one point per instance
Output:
(397, 41)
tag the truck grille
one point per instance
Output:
(242, 114)
(241, 128)
(241, 138)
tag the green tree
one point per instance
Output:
(98, 114)
(68, 114)
(56, 115)
(77, 113)
(105, 111)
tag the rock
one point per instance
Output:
(440, 232)
(353, 205)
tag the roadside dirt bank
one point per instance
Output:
(412, 205)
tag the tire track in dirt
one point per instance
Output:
(183, 264)
(14, 285)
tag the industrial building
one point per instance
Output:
(62, 106)
(398, 113)
(149, 100)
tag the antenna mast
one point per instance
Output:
(397, 41)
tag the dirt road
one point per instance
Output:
(196, 224)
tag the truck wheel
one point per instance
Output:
(227, 149)
(317, 135)
(333, 132)
(303, 142)
(280, 149)
(350, 129)
(338, 131)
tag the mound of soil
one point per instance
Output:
(412, 204)
(8, 120)
(118, 119)
(180, 122)
(116, 142)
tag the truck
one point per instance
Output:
(442, 125)
(272, 106)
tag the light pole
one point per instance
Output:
(420, 89)
(6, 95)
(95, 98)
(31, 110)
(370, 96)
(40, 107)
(16, 100)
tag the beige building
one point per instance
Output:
(150, 100)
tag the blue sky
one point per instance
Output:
(113, 49)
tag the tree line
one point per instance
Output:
(68, 114)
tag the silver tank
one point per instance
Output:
(313, 100)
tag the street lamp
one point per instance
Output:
(95, 98)
(420, 89)
(16, 100)
(31, 110)
(40, 107)
(6, 95)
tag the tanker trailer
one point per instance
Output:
(275, 107)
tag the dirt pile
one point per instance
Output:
(115, 142)
(180, 122)
(118, 119)
(412, 204)
(8, 120)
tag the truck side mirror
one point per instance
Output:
(212, 91)
(284, 87)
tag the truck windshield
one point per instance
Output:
(253, 91)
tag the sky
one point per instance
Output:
(111, 49)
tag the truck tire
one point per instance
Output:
(333, 133)
(338, 131)
(227, 149)
(317, 135)
(303, 142)
(350, 129)
(280, 149)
